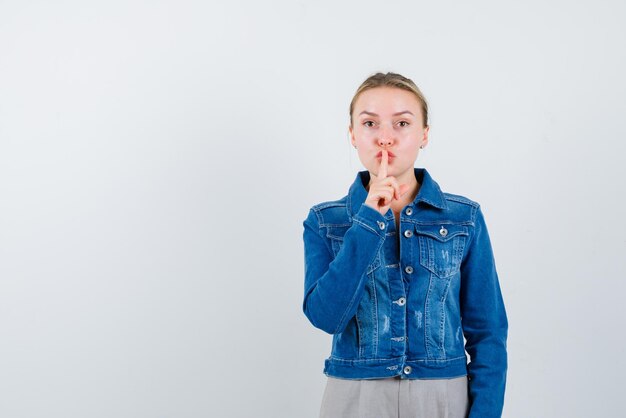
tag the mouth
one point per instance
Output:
(389, 154)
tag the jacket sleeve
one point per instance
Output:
(485, 324)
(333, 286)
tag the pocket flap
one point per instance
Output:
(441, 232)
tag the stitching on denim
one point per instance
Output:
(358, 325)
(460, 199)
(470, 240)
(335, 225)
(431, 253)
(386, 281)
(460, 248)
(438, 222)
(423, 257)
(318, 215)
(349, 206)
(345, 312)
(319, 232)
(427, 316)
(425, 241)
(318, 208)
(374, 265)
(435, 360)
(442, 324)
(329, 204)
(330, 235)
(403, 359)
(404, 319)
(344, 360)
(356, 219)
(448, 238)
(375, 311)
(354, 296)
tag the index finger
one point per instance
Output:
(382, 171)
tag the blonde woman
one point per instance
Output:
(403, 276)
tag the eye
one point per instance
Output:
(368, 123)
(403, 123)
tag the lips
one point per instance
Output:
(389, 153)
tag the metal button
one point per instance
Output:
(407, 370)
(443, 231)
(408, 269)
(401, 301)
(408, 233)
(409, 211)
(381, 224)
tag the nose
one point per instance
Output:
(384, 142)
(386, 137)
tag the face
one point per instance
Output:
(391, 118)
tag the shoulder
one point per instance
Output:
(462, 205)
(330, 212)
(457, 199)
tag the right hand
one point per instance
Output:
(384, 189)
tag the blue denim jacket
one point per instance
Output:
(401, 302)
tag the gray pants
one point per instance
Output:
(395, 398)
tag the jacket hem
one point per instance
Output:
(383, 368)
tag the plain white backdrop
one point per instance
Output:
(157, 160)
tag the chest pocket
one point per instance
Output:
(441, 247)
(336, 233)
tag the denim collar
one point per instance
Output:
(429, 192)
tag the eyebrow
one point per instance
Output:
(395, 114)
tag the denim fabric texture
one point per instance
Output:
(400, 303)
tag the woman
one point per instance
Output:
(401, 289)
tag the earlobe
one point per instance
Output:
(425, 139)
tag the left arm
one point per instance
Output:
(485, 324)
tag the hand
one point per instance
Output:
(384, 189)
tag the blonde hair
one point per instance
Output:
(391, 80)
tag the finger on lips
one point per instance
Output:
(382, 172)
(391, 183)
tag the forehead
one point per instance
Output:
(383, 100)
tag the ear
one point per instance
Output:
(425, 139)
(352, 139)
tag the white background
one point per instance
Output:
(157, 160)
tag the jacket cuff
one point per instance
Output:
(371, 219)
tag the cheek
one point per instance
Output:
(412, 139)
(361, 133)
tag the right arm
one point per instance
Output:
(333, 287)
